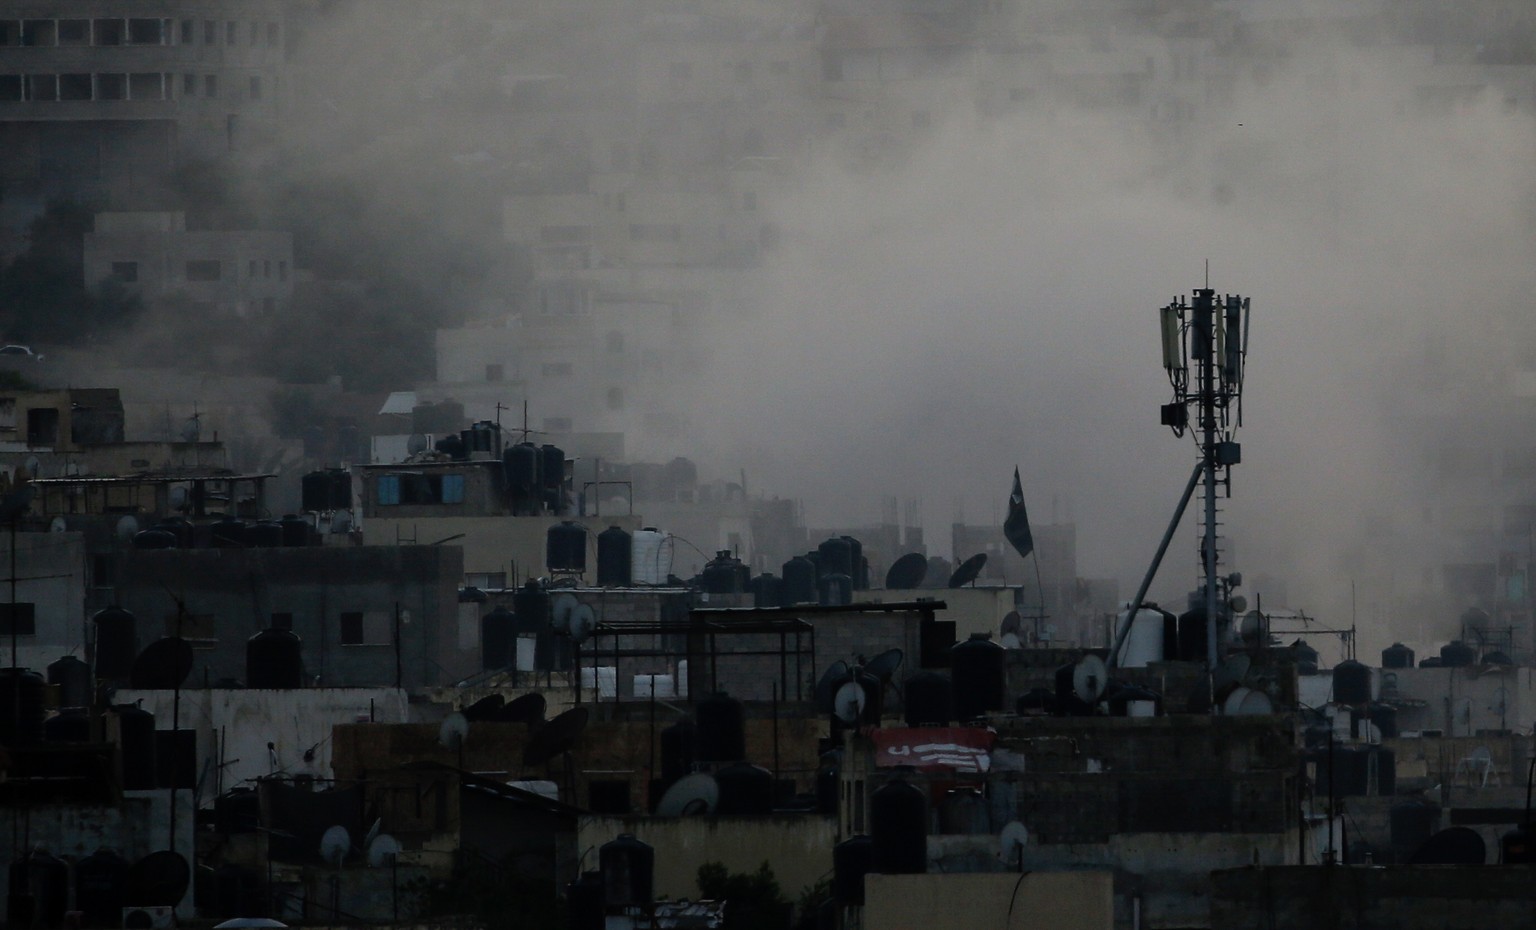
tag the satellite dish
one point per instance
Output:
(968, 570)
(528, 708)
(1254, 627)
(335, 843)
(561, 608)
(848, 702)
(835, 674)
(453, 732)
(162, 666)
(884, 665)
(383, 850)
(689, 796)
(417, 444)
(160, 879)
(1247, 702)
(1012, 622)
(126, 527)
(907, 572)
(1089, 679)
(1011, 641)
(1232, 671)
(487, 708)
(57, 525)
(1011, 843)
(583, 621)
(555, 738)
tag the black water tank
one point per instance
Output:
(117, 643)
(628, 867)
(1457, 654)
(330, 489)
(155, 538)
(1516, 848)
(724, 574)
(237, 891)
(295, 530)
(799, 582)
(615, 551)
(565, 547)
(979, 675)
(1397, 656)
(1190, 644)
(721, 729)
(101, 887)
(237, 811)
(836, 556)
(898, 817)
(531, 605)
(858, 565)
(1431, 662)
(274, 659)
(521, 464)
(928, 700)
(74, 680)
(584, 902)
(767, 590)
(227, 533)
(136, 745)
(745, 789)
(552, 469)
(183, 529)
(1306, 657)
(1351, 683)
(964, 811)
(264, 534)
(497, 635)
(69, 725)
(834, 589)
(45, 880)
(678, 750)
(22, 705)
(1384, 717)
(852, 859)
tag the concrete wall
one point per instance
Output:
(1392, 898)
(797, 847)
(234, 727)
(515, 545)
(51, 576)
(1059, 900)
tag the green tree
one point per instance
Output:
(753, 901)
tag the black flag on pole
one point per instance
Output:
(1016, 527)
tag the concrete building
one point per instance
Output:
(46, 607)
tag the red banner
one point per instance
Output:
(935, 749)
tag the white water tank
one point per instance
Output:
(1144, 644)
(606, 680)
(658, 686)
(650, 556)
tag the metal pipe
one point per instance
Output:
(1157, 561)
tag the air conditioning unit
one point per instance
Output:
(148, 918)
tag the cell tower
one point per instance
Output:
(1213, 336)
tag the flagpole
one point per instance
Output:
(1039, 614)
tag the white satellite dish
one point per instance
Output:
(583, 620)
(1011, 641)
(848, 702)
(335, 844)
(453, 732)
(561, 607)
(1011, 843)
(383, 850)
(57, 525)
(127, 527)
(1089, 679)
(690, 795)
(1247, 702)
(418, 443)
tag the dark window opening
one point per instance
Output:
(189, 85)
(108, 31)
(74, 87)
(351, 628)
(39, 32)
(188, 31)
(74, 32)
(255, 87)
(10, 87)
(42, 87)
(146, 32)
(210, 32)
(203, 269)
(10, 32)
(111, 87)
(146, 87)
(42, 426)
(19, 618)
(210, 85)
(127, 272)
(231, 33)
(272, 34)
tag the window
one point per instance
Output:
(74, 32)
(231, 33)
(74, 87)
(203, 269)
(493, 373)
(188, 31)
(388, 491)
(210, 32)
(42, 87)
(255, 34)
(10, 87)
(10, 32)
(556, 369)
(352, 628)
(146, 87)
(453, 489)
(145, 32)
(108, 31)
(210, 85)
(18, 618)
(282, 271)
(253, 269)
(127, 272)
(111, 87)
(39, 32)
(255, 87)
(189, 85)
(266, 268)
